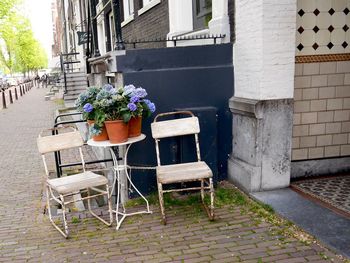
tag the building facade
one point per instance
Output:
(290, 108)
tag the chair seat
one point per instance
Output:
(73, 183)
(184, 172)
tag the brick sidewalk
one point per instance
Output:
(26, 235)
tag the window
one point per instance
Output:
(128, 8)
(201, 13)
(145, 2)
(147, 5)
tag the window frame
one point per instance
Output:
(147, 5)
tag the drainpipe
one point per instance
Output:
(94, 27)
(119, 44)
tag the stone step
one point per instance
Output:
(74, 92)
(79, 73)
(76, 77)
(77, 84)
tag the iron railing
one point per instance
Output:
(175, 40)
(67, 62)
(58, 161)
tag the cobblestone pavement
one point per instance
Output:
(27, 236)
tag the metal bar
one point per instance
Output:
(88, 49)
(103, 9)
(65, 81)
(94, 28)
(10, 93)
(87, 162)
(67, 114)
(186, 189)
(3, 100)
(71, 62)
(174, 39)
(70, 54)
(119, 43)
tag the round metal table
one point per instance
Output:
(122, 178)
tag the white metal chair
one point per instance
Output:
(184, 172)
(59, 189)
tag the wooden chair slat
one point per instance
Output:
(59, 142)
(177, 127)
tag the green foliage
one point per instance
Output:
(19, 50)
(6, 7)
(75, 220)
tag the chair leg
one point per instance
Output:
(202, 190)
(109, 207)
(209, 210)
(64, 216)
(50, 216)
(212, 215)
(109, 200)
(161, 202)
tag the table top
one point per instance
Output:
(91, 142)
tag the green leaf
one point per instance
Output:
(126, 117)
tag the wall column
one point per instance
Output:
(220, 24)
(180, 17)
(262, 107)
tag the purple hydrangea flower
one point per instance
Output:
(88, 107)
(139, 92)
(128, 89)
(134, 99)
(151, 107)
(108, 87)
(132, 106)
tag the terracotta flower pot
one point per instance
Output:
(117, 131)
(103, 136)
(135, 126)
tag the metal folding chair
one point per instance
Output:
(184, 172)
(60, 189)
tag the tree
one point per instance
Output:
(6, 7)
(19, 50)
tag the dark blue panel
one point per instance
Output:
(175, 78)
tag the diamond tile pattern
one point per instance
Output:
(330, 45)
(300, 47)
(301, 12)
(334, 191)
(321, 25)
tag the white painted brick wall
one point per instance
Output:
(264, 50)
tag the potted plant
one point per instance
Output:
(114, 111)
(86, 104)
(139, 108)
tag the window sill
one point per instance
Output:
(128, 20)
(148, 7)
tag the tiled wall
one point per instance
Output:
(323, 27)
(321, 110)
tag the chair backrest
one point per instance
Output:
(176, 127)
(54, 143)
